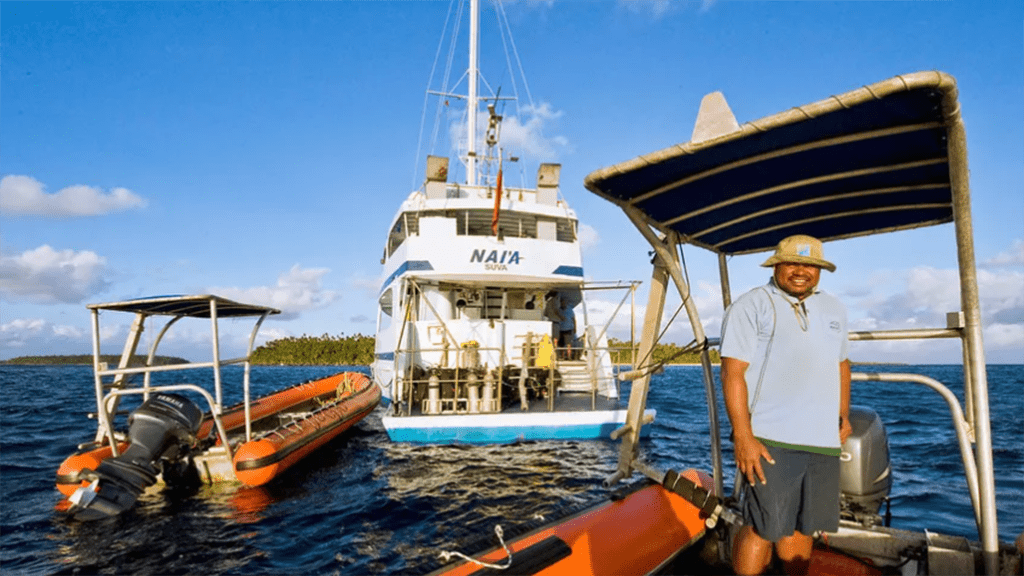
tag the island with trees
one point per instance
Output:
(341, 350)
(86, 360)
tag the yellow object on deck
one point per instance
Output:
(545, 352)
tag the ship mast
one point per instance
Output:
(471, 108)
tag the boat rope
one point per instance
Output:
(347, 386)
(642, 367)
(447, 555)
(656, 367)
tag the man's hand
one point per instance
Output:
(845, 429)
(747, 449)
(748, 452)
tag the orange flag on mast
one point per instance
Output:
(497, 206)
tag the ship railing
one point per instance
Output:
(407, 358)
(461, 374)
(962, 417)
(114, 395)
(465, 372)
(119, 384)
(454, 190)
(595, 359)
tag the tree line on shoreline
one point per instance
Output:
(358, 350)
(86, 359)
(322, 350)
(341, 350)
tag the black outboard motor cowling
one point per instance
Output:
(865, 476)
(161, 432)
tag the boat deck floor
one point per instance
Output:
(565, 402)
(569, 402)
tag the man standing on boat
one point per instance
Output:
(567, 329)
(552, 310)
(786, 379)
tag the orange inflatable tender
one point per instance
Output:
(259, 461)
(634, 535)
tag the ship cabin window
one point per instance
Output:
(498, 304)
(386, 303)
(407, 225)
(515, 225)
(478, 223)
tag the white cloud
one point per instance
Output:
(35, 337)
(929, 293)
(1014, 256)
(189, 339)
(524, 135)
(48, 276)
(706, 296)
(24, 195)
(1004, 335)
(659, 8)
(588, 237)
(521, 135)
(366, 285)
(297, 290)
(656, 8)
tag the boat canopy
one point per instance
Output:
(193, 306)
(876, 159)
(889, 156)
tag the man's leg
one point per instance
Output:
(750, 553)
(795, 552)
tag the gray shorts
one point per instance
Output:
(802, 495)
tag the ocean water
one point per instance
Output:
(362, 505)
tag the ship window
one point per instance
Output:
(512, 224)
(565, 230)
(384, 310)
(396, 237)
(477, 222)
(407, 225)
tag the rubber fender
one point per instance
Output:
(67, 474)
(252, 451)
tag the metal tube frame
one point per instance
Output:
(960, 426)
(106, 404)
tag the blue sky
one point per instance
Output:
(259, 150)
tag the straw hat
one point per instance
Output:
(800, 249)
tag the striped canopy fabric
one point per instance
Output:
(881, 158)
(195, 306)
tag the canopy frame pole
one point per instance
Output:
(723, 274)
(630, 431)
(975, 379)
(668, 256)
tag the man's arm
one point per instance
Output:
(845, 429)
(553, 313)
(747, 449)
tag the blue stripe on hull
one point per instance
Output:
(506, 435)
(414, 265)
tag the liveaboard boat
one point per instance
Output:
(465, 352)
(168, 436)
(887, 157)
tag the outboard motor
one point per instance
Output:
(865, 476)
(161, 432)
